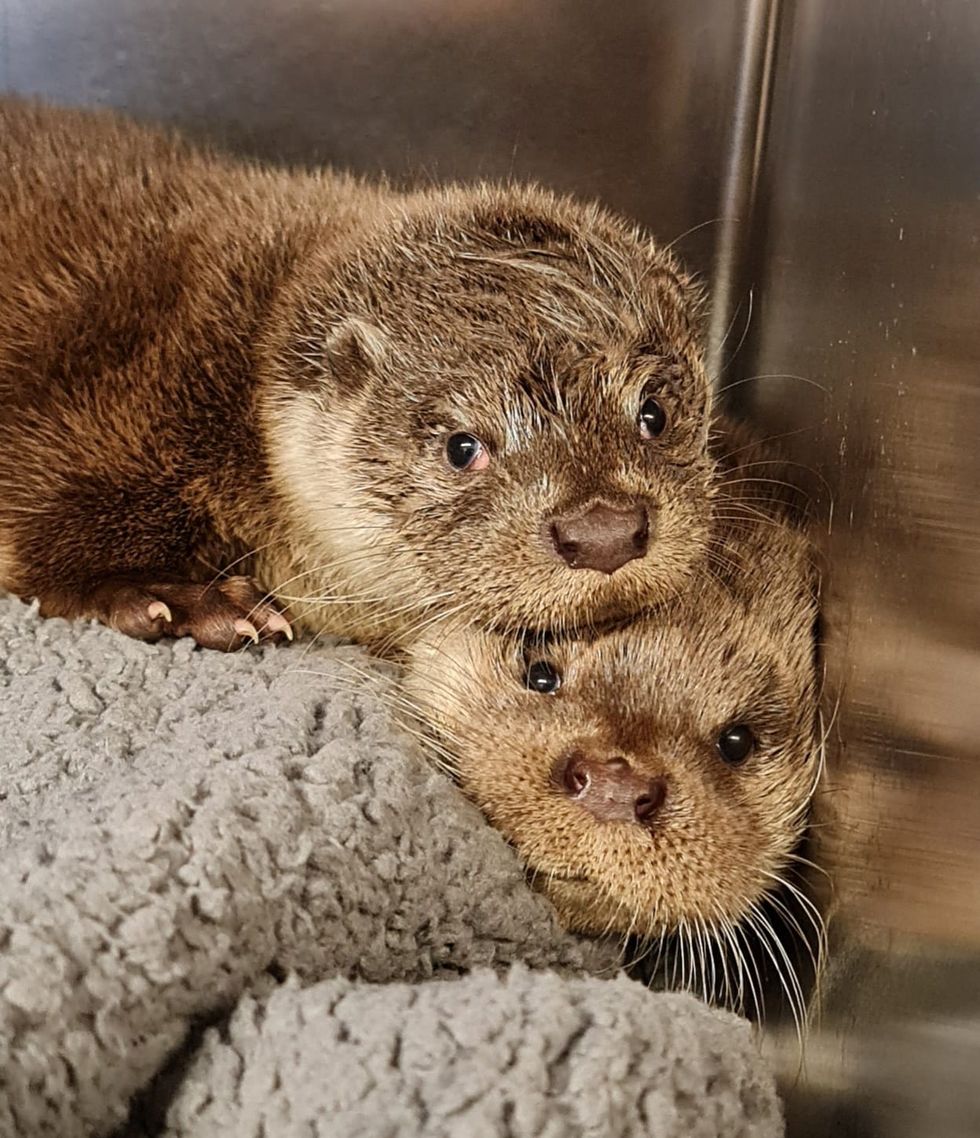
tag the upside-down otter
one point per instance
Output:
(226, 389)
(655, 777)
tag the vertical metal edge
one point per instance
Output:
(730, 284)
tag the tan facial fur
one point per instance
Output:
(656, 694)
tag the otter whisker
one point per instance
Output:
(809, 910)
(687, 232)
(682, 947)
(692, 960)
(377, 685)
(709, 956)
(395, 696)
(808, 864)
(773, 375)
(442, 759)
(730, 947)
(757, 442)
(721, 940)
(742, 510)
(753, 975)
(702, 968)
(745, 330)
(437, 617)
(785, 972)
(815, 954)
(221, 573)
(788, 463)
(724, 340)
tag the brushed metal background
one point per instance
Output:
(866, 248)
(847, 268)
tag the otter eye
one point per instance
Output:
(542, 677)
(652, 418)
(466, 452)
(736, 743)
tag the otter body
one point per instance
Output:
(223, 384)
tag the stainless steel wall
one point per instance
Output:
(866, 254)
(847, 266)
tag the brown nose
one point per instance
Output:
(602, 537)
(610, 789)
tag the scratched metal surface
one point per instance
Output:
(855, 223)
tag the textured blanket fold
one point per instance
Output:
(530, 1055)
(180, 829)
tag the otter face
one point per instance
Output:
(539, 496)
(652, 778)
(514, 384)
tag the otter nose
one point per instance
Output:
(610, 789)
(602, 537)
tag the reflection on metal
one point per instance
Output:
(868, 291)
(863, 352)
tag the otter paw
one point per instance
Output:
(225, 615)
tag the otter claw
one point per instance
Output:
(157, 609)
(278, 623)
(247, 628)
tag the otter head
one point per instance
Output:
(654, 778)
(496, 400)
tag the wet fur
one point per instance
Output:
(204, 362)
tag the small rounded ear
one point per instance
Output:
(352, 350)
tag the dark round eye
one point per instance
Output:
(542, 677)
(652, 418)
(466, 452)
(736, 743)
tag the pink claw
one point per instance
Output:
(247, 628)
(157, 609)
(278, 623)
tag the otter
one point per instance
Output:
(655, 776)
(236, 399)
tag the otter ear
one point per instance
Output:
(353, 349)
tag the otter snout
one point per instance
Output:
(610, 789)
(600, 537)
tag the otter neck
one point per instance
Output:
(333, 547)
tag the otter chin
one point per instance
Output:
(656, 777)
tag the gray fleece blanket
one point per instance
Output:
(235, 900)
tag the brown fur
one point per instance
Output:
(738, 648)
(204, 361)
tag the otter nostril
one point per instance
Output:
(648, 805)
(575, 777)
(641, 535)
(565, 548)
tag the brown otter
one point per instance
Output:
(220, 381)
(656, 778)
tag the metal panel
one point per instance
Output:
(628, 101)
(868, 292)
